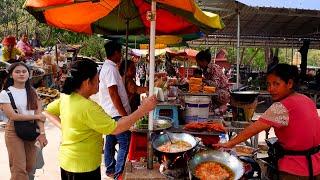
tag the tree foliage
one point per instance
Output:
(14, 20)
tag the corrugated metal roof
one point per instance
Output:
(278, 27)
(293, 4)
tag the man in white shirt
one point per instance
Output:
(114, 100)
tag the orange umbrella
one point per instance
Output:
(117, 16)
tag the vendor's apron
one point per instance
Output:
(276, 152)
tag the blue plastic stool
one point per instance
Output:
(174, 114)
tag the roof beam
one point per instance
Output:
(215, 9)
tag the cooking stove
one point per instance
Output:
(174, 169)
(179, 173)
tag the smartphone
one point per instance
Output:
(37, 144)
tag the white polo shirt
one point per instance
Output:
(110, 76)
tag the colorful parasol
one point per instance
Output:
(118, 16)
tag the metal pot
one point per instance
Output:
(173, 157)
(224, 158)
(244, 96)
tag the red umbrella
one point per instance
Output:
(119, 16)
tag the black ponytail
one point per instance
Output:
(80, 71)
(204, 55)
(3, 78)
(286, 72)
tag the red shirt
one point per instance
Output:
(297, 127)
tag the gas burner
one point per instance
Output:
(179, 173)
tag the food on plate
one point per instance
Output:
(175, 146)
(195, 81)
(195, 126)
(195, 88)
(209, 89)
(213, 171)
(44, 91)
(243, 150)
(215, 126)
(205, 126)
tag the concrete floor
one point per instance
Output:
(51, 170)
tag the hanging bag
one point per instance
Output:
(26, 130)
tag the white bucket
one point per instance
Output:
(197, 108)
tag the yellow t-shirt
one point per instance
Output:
(82, 124)
(6, 55)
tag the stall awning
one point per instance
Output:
(264, 23)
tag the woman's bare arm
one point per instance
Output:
(53, 119)
(248, 132)
(12, 115)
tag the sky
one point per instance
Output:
(296, 4)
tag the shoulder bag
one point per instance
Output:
(26, 130)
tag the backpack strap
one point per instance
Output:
(13, 104)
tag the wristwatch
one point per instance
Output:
(42, 132)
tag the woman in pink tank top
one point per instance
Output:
(295, 121)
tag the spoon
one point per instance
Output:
(168, 136)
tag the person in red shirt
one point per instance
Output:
(24, 46)
(214, 76)
(295, 121)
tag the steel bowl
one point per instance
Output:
(158, 125)
(224, 158)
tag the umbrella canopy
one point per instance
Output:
(144, 52)
(135, 41)
(117, 16)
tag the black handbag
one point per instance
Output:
(26, 130)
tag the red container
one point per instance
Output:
(186, 72)
(138, 146)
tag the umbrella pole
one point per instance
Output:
(127, 43)
(151, 80)
(238, 48)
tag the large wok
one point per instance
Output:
(217, 156)
(244, 96)
(173, 157)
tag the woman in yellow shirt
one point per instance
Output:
(9, 51)
(83, 122)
